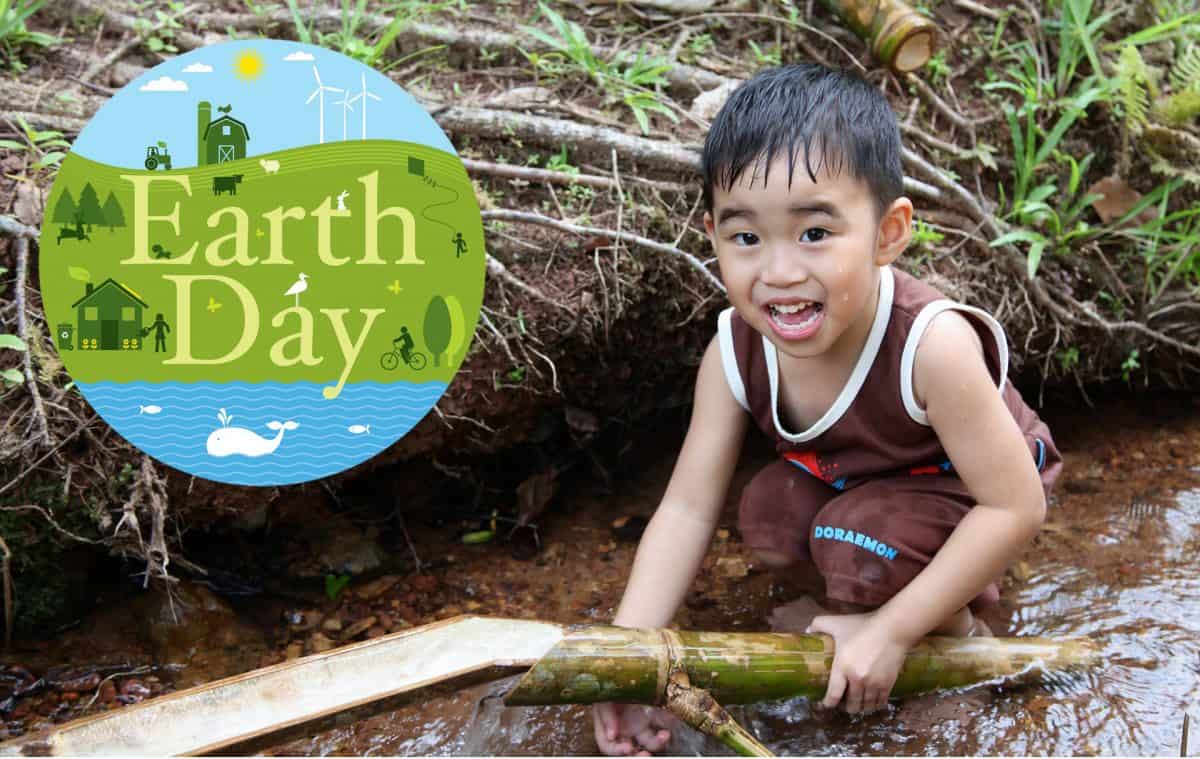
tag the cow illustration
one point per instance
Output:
(226, 184)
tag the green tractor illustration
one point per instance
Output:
(157, 155)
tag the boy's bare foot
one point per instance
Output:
(796, 616)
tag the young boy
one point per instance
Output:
(911, 472)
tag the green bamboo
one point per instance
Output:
(899, 36)
(600, 663)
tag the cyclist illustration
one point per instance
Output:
(402, 351)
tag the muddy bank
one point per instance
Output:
(1115, 561)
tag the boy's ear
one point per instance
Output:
(708, 228)
(895, 230)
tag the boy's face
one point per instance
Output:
(801, 265)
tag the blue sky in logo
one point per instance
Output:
(162, 104)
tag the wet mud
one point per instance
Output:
(1116, 561)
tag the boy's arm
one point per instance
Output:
(990, 455)
(678, 535)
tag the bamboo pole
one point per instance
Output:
(265, 707)
(899, 36)
(599, 663)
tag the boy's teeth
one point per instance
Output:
(807, 313)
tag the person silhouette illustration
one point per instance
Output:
(161, 328)
(460, 245)
(405, 344)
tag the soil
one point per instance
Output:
(1114, 561)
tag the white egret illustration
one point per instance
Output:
(299, 286)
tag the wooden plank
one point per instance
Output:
(294, 698)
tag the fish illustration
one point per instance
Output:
(150, 409)
(359, 429)
(226, 440)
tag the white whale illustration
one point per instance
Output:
(227, 441)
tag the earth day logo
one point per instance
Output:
(263, 262)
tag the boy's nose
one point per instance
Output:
(783, 266)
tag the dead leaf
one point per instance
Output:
(30, 204)
(534, 493)
(1118, 199)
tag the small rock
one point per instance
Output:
(318, 643)
(70, 696)
(376, 632)
(356, 629)
(732, 567)
(1021, 571)
(294, 651)
(377, 587)
(473, 605)
(332, 625)
(108, 692)
(302, 620)
(134, 689)
(1139, 456)
(722, 534)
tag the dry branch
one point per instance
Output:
(565, 226)
(21, 247)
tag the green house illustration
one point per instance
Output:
(220, 140)
(109, 317)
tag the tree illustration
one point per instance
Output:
(437, 328)
(89, 207)
(64, 209)
(113, 215)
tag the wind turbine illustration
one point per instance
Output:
(319, 94)
(345, 104)
(363, 96)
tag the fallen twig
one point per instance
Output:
(11, 227)
(530, 174)
(7, 596)
(21, 246)
(566, 226)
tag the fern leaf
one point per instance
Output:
(1132, 85)
(1185, 75)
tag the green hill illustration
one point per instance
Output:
(295, 265)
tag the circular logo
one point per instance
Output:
(263, 262)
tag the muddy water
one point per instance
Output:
(1116, 562)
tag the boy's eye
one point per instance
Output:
(744, 238)
(816, 234)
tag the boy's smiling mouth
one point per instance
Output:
(795, 319)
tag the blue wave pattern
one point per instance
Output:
(321, 445)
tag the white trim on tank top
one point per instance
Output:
(883, 313)
(909, 357)
(733, 377)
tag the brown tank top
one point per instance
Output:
(875, 427)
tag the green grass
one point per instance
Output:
(14, 35)
(632, 83)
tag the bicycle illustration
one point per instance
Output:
(416, 359)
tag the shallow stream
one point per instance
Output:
(1116, 561)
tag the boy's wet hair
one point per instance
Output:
(837, 118)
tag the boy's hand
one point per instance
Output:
(630, 729)
(866, 660)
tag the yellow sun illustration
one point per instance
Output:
(248, 65)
